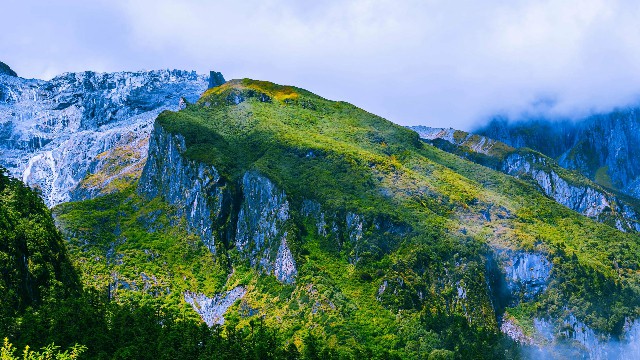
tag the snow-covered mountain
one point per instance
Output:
(77, 134)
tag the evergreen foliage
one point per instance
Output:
(34, 265)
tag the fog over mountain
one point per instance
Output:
(437, 63)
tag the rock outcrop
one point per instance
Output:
(201, 197)
(568, 336)
(6, 70)
(604, 147)
(588, 199)
(55, 133)
(261, 235)
(212, 310)
(215, 79)
(570, 189)
(190, 186)
(527, 274)
(477, 143)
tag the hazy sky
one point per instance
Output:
(439, 63)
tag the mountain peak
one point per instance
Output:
(215, 79)
(238, 90)
(6, 70)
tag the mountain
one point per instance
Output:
(604, 147)
(569, 188)
(261, 200)
(53, 133)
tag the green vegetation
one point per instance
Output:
(128, 244)
(419, 287)
(602, 177)
(494, 157)
(51, 352)
(33, 260)
(43, 308)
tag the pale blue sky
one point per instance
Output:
(433, 62)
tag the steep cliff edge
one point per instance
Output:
(202, 198)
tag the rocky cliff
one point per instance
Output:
(582, 196)
(567, 188)
(192, 187)
(604, 147)
(53, 134)
(200, 195)
(261, 235)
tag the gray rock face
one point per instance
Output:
(191, 186)
(312, 209)
(215, 79)
(587, 200)
(609, 142)
(515, 332)
(354, 232)
(212, 310)
(571, 336)
(195, 189)
(53, 132)
(6, 70)
(584, 196)
(285, 265)
(527, 274)
(516, 276)
(479, 144)
(605, 145)
(261, 236)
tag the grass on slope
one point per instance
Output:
(121, 243)
(349, 160)
(344, 157)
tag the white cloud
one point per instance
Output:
(444, 63)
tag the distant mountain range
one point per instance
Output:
(568, 187)
(604, 147)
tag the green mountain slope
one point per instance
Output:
(329, 221)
